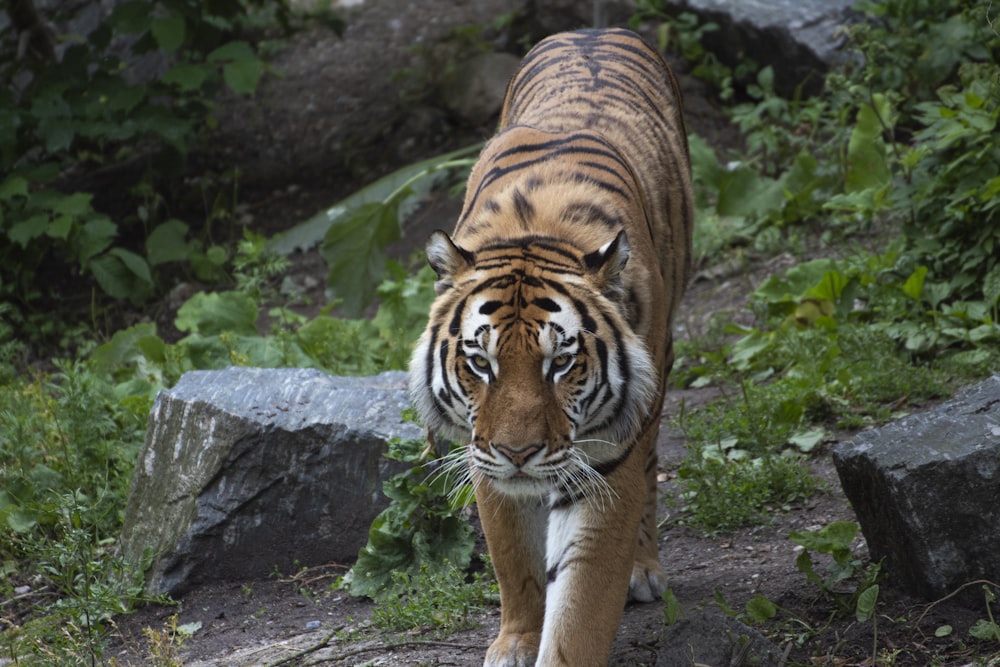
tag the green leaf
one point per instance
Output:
(60, 227)
(231, 52)
(22, 233)
(672, 610)
(806, 441)
(76, 204)
(186, 76)
(136, 264)
(834, 539)
(943, 631)
(865, 607)
(420, 178)
(167, 243)
(96, 235)
(914, 285)
(354, 251)
(867, 162)
(991, 286)
(242, 76)
(219, 312)
(760, 609)
(13, 186)
(114, 277)
(168, 32)
(124, 346)
(984, 629)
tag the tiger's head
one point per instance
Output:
(529, 358)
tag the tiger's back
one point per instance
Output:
(548, 347)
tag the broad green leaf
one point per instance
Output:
(914, 285)
(136, 264)
(743, 192)
(167, 243)
(867, 162)
(806, 441)
(991, 286)
(943, 631)
(354, 251)
(21, 521)
(186, 76)
(672, 610)
(419, 178)
(744, 351)
(986, 630)
(168, 31)
(865, 607)
(218, 312)
(13, 186)
(60, 227)
(242, 76)
(231, 52)
(834, 539)
(124, 346)
(96, 235)
(22, 233)
(760, 609)
(114, 277)
(76, 204)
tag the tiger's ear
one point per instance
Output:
(447, 259)
(607, 263)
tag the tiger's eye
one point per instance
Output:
(562, 361)
(482, 363)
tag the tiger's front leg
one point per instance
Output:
(564, 580)
(590, 555)
(515, 534)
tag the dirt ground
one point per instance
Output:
(334, 121)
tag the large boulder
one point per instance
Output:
(926, 490)
(247, 470)
(800, 39)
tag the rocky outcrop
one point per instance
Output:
(800, 39)
(246, 471)
(926, 490)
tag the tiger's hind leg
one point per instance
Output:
(648, 581)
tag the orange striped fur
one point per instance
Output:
(548, 347)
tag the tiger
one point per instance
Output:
(549, 341)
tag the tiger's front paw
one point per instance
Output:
(648, 581)
(513, 650)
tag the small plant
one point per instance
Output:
(442, 598)
(835, 540)
(423, 531)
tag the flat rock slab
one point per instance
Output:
(926, 490)
(247, 471)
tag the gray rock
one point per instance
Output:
(926, 490)
(709, 637)
(800, 39)
(247, 470)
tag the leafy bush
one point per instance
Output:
(422, 532)
(91, 103)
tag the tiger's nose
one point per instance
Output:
(517, 455)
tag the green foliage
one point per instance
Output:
(95, 106)
(355, 231)
(437, 598)
(421, 533)
(987, 629)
